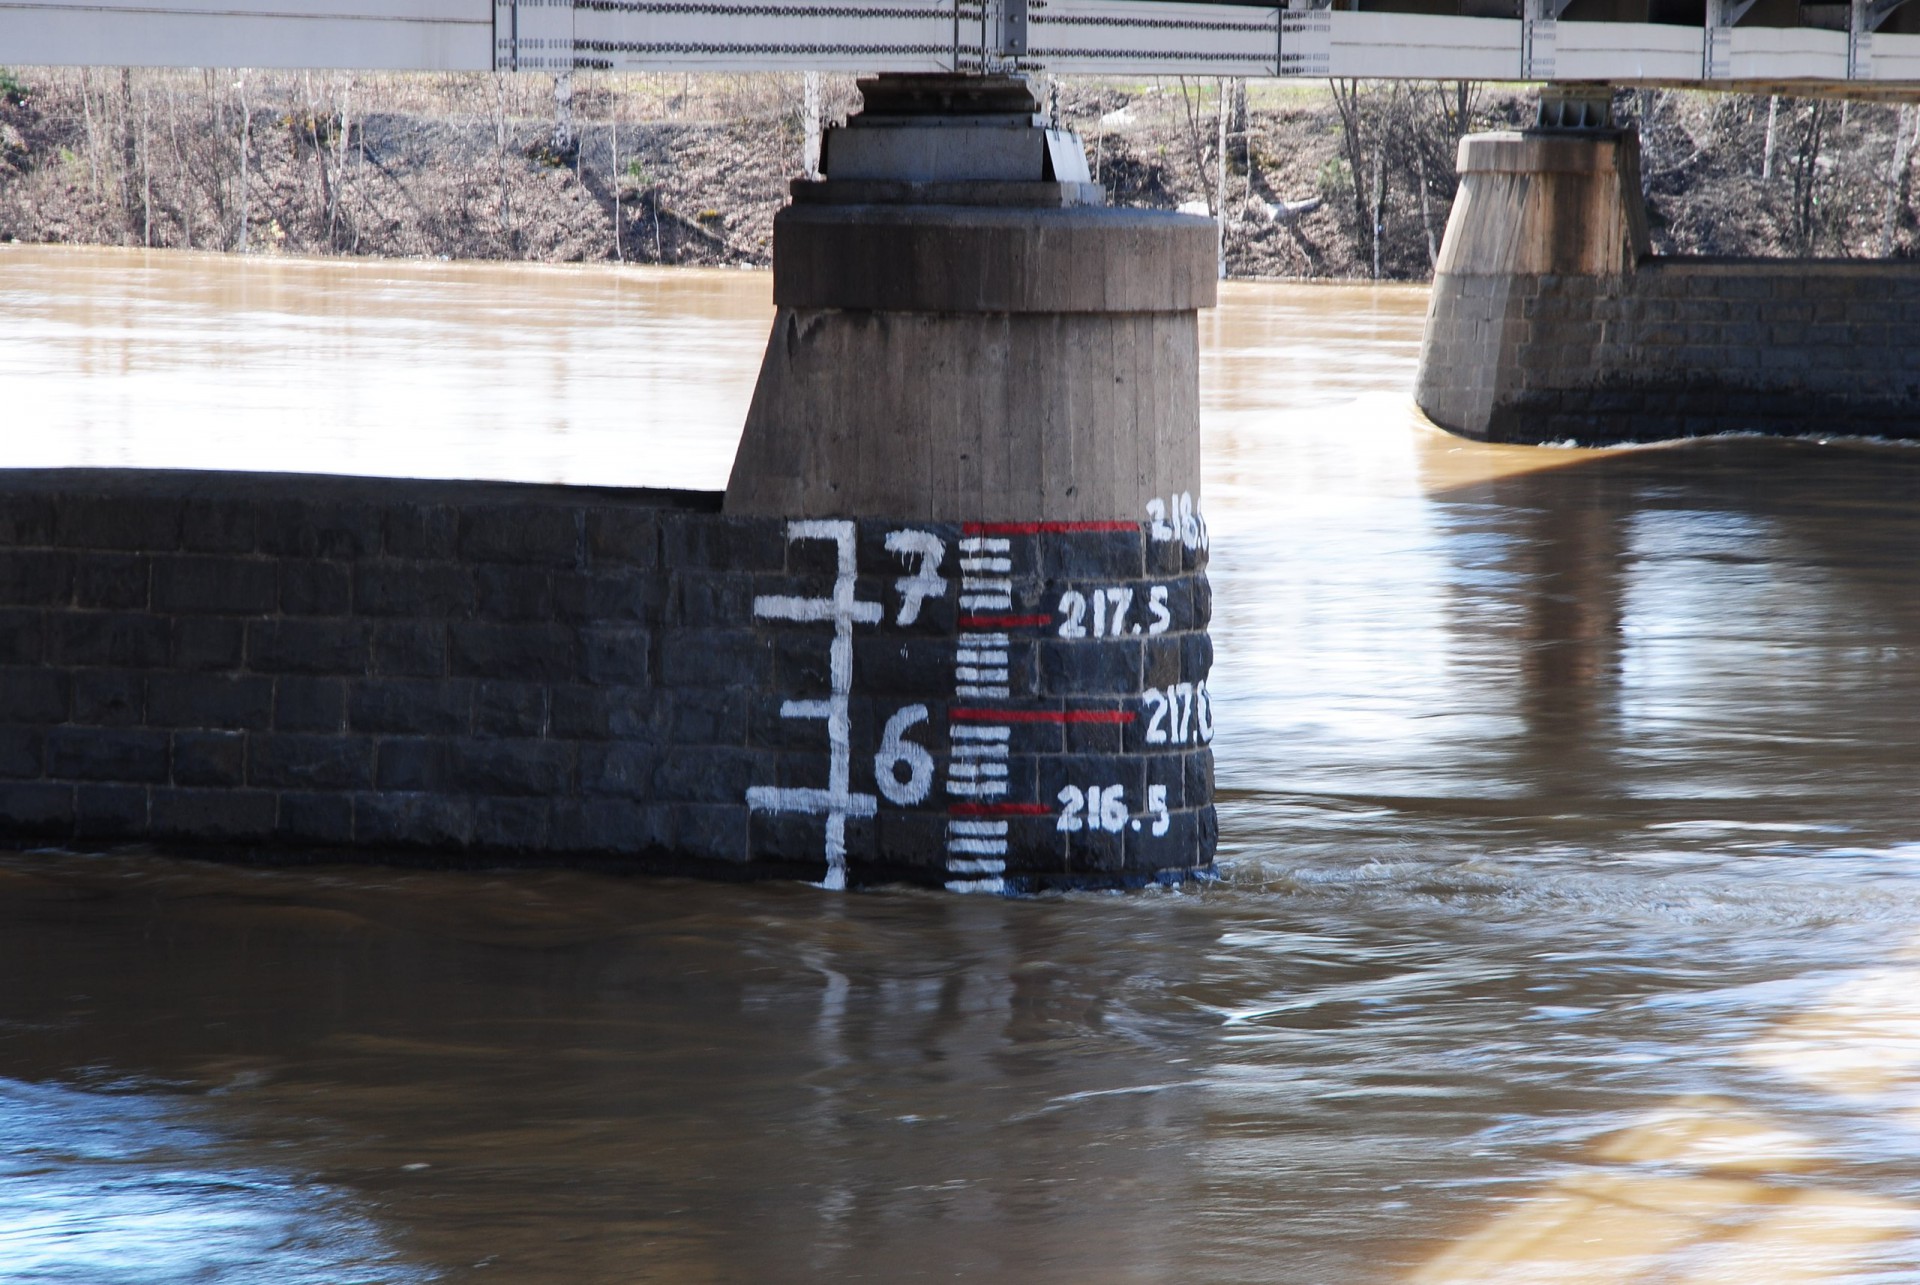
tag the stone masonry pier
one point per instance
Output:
(283, 668)
(1550, 321)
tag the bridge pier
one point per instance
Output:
(1551, 320)
(980, 404)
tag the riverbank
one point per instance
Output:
(690, 170)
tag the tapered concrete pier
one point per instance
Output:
(965, 333)
(1551, 321)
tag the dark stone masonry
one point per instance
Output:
(279, 667)
(1682, 348)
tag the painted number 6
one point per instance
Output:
(896, 750)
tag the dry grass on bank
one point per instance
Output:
(1322, 180)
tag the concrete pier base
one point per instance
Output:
(971, 352)
(1550, 320)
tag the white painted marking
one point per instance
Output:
(983, 640)
(968, 674)
(978, 732)
(986, 564)
(985, 601)
(987, 866)
(778, 798)
(973, 771)
(976, 789)
(988, 828)
(984, 544)
(837, 801)
(925, 582)
(976, 885)
(989, 749)
(992, 584)
(990, 693)
(988, 656)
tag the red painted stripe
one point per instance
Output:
(999, 810)
(1048, 528)
(1003, 622)
(971, 715)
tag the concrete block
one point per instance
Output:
(23, 753)
(615, 655)
(613, 827)
(706, 716)
(109, 697)
(207, 643)
(512, 825)
(715, 833)
(321, 529)
(717, 658)
(215, 586)
(700, 542)
(413, 764)
(36, 808)
(521, 766)
(35, 577)
(309, 705)
(717, 600)
(110, 812)
(133, 522)
(26, 520)
(113, 583)
(23, 637)
(411, 706)
(315, 588)
(129, 754)
(1089, 668)
(421, 532)
(320, 819)
(621, 770)
(532, 534)
(225, 525)
(623, 537)
(35, 696)
(1161, 667)
(546, 653)
(209, 758)
(433, 589)
(510, 709)
(299, 762)
(410, 648)
(513, 593)
(412, 821)
(613, 596)
(210, 700)
(110, 639)
(714, 775)
(308, 646)
(1103, 556)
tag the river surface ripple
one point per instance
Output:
(1569, 929)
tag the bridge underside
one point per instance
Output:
(1861, 48)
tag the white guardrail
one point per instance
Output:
(1125, 37)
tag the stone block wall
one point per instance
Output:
(277, 667)
(1676, 348)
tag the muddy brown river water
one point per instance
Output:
(1569, 927)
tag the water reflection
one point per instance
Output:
(131, 1181)
(1567, 934)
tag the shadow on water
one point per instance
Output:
(1568, 934)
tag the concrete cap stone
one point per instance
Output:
(1512, 152)
(937, 258)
